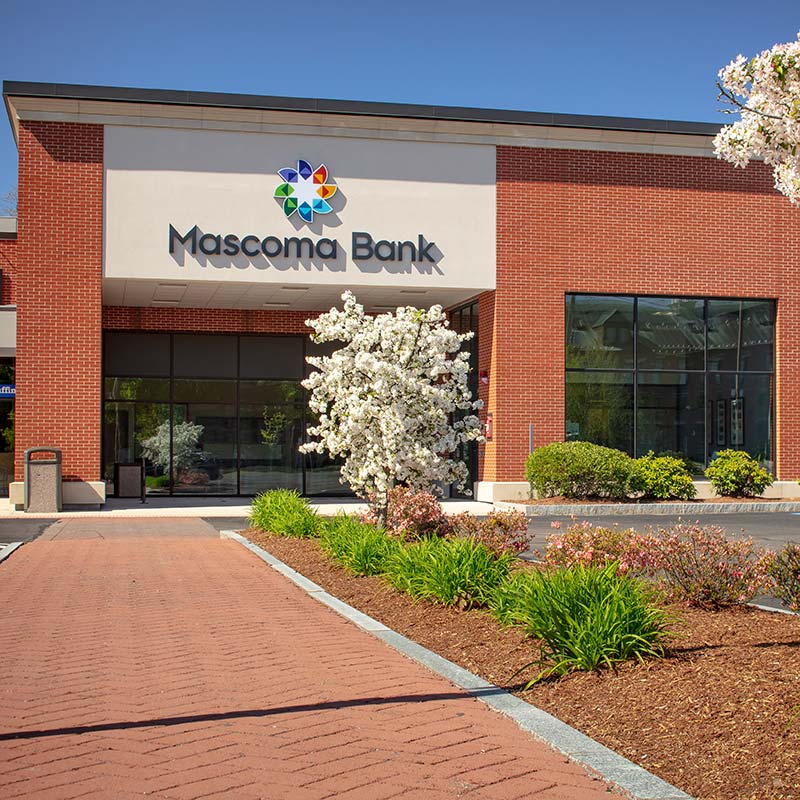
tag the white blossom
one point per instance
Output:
(765, 90)
(386, 400)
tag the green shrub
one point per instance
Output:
(587, 618)
(784, 570)
(456, 572)
(361, 548)
(157, 481)
(284, 513)
(662, 477)
(692, 467)
(734, 473)
(579, 470)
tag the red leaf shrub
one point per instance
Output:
(584, 544)
(412, 515)
(700, 566)
(500, 531)
(693, 564)
(785, 573)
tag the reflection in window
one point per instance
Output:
(670, 333)
(600, 408)
(740, 335)
(740, 408)
(599, 331)
(269, 438)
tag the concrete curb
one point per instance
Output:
(631, 778)
(692, 510)
(9, 549)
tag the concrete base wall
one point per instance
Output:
(493, 491)
(74, 493)
(517, 491)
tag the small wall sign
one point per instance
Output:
(8, 390)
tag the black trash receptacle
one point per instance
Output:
(128, 480)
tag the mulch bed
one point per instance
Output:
(719, 718)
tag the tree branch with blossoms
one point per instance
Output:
(387, 399)
(765, 91)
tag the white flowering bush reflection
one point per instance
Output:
(386, 399)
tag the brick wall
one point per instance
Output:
(579, 221)
(8, 265)
(59, 252)
(206, 320)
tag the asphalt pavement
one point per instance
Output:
(768, 529)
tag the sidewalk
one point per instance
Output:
(185, 668)
(214, 507)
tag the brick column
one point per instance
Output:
(59, 299)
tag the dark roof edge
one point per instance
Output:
(67, 91)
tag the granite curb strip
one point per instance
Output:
(9, 549)
(624, 774)
(636, 509)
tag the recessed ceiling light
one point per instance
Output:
(276, 305)
(294, 288)
(413, 291)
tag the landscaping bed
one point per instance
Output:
(717, 717)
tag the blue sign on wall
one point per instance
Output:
(8, 390)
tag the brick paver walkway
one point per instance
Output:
(184, 667)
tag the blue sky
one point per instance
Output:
(642, 59)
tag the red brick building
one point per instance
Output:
(624, 285)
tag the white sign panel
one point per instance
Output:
(338, 211)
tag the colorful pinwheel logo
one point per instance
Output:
(305, 190)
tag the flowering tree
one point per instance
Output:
(765, 90)
(386, 399)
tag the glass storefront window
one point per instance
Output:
(600, 408)
(670, 415)
(599, 332)
(203, 391)
(269, 438)
(213, 414)
(271, 392)
(132, 430)
(740, 408)
(700, 372)
(147, 389)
